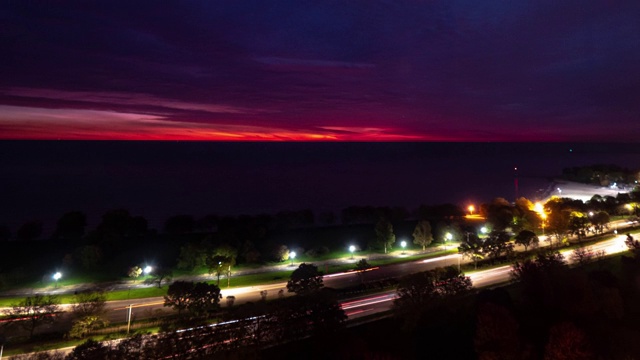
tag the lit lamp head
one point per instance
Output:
(147, 270)
(57, 276)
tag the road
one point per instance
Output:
(144, 308)
(382, 302)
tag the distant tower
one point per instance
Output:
(515, 181)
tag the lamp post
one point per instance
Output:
(57, 277)
(404, 245)
(147, 270)
(447, 236)
(471, 209)
(2, 341)
(129, 318)
(352, 248)
(292, 255)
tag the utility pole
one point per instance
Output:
(515, 181)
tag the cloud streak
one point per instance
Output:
(417, 71)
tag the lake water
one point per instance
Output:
(43, 180)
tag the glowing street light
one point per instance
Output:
(147, 270)
(57, 277)
(447, 236)
(352, 248)
(404, 245)
(292, 255)
(484, 230)
(471, 209)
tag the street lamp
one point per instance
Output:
(404, 245)
(447, 236)
(147, 270)
(352, 248)
(57, 277)
(471, 209)
(484, 230)
(292, 255)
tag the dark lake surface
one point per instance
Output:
(44, 179)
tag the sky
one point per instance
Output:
(303, 70)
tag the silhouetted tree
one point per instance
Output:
(361, 267)
(568, 342)
(179, 224)
(496, 335)
(71, 226)
(472, 247)
(159, 275)
(385, 237)
(422, 234)
(527, 238)
(305, 279)
(88, 256)
(600, 221)
(29, 231)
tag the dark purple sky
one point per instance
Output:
(321, 70)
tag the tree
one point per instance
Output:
(582, 256)
(600, 221)
(198, 298)
(89, 256)
(37, 310)
(134, 272)
(417, 292)
(29, 231)
(159, 275)
(219, 264)
(472, 248)
(578, 224)
(497, 244)
(527, 238)
(178, 295)
(499, 213)
(305, 279)
(422, 234)
(361, 266)
(85, 325)
(191, 256)
(567, 341)
(558, 218)
(90, 349)
(205, 299)
(179, 224)
(71, 225)
(496, 334)
(541, 278)
(384, 234)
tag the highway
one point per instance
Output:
(144, 308)
(483, 278)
